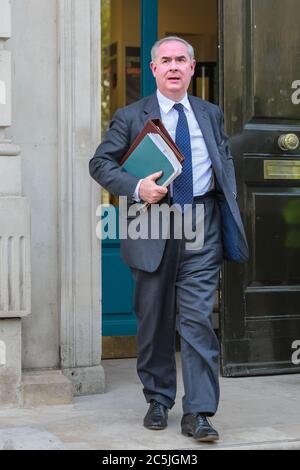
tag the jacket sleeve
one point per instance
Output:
(104, 166)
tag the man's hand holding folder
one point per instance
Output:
(151, 192)
(154, 158)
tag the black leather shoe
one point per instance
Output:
(157, 416)
(198, 427)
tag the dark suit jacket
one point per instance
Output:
(105, 169)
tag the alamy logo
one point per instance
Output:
(132, 222)
(296, 94)
(296, 354)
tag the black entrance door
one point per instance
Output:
(260, 49)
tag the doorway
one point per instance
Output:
(254, 74)
(128, 30)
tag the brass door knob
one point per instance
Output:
(288, 142)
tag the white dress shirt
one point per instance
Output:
(202, 167)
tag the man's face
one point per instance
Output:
(173, 69)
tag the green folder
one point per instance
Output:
(146, 159)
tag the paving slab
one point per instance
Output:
(26, 438)
(254, 413)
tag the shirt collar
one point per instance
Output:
(166, 104)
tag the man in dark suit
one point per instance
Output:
(175, 286)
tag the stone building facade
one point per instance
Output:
(50, 309)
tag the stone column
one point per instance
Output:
(79, 133)
(14, 236)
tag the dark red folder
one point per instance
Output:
(155, 126)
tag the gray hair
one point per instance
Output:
(171, 38)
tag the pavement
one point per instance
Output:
(254, 413)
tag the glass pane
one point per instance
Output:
(120, 60)
(196, 21)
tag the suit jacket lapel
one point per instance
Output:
(151, 109)
(204, 122)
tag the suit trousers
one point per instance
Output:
(180, 295)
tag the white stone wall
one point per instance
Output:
(55, 48)
(34, 109)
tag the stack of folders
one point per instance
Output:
(153, 151)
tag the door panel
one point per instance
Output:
(276, 56)
(260, 60)
(117, 286)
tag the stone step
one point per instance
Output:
(46, 387)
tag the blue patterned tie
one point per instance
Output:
(183, 184)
